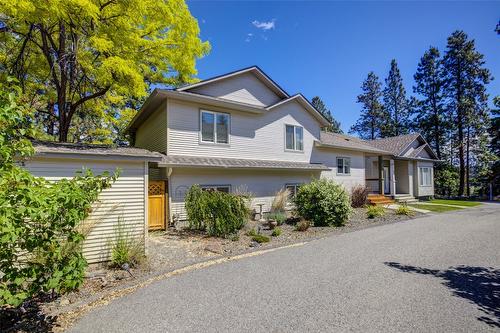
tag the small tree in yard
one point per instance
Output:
(323, 202)
(217, 213)
(40, 234)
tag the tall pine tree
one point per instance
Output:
(373, 116)
(395, 103)
(334, 126)
(464, 83)
(430, 115)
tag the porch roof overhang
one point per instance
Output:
(236, 163)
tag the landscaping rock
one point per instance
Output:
(64, 301)
(254, 244)
(214, 248)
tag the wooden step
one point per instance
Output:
(379, 199)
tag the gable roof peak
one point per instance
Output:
(256, 70)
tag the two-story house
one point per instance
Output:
(241, 132)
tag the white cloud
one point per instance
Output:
(264, 25)
(249, 37)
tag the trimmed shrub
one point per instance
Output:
(276, 232)
(302, 225)
(218, 213)
(375, 211)
(279, 217)
(261, 238)
(404, 210)
(323, 202)
(359, 196)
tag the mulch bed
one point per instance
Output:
(168, 250)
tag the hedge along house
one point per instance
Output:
(125, 201)
(242, 132)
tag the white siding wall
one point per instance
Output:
(252, 136)
(329, 158)
(152, 134)
(244, 88)
(263, 184)
(424, 191)
(124, 200)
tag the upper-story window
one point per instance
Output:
(214, 127)
(294, 138)
(343, 166)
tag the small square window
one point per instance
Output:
(214, 127)
(343, 166)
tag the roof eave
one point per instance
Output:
(367, 150)
(198, 166)
(85, 155)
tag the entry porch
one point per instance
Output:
(389, 177)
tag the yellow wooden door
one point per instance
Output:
(157, 205)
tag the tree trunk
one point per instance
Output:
(468, 161)
(461, 157)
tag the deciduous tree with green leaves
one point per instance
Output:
(373, 116)
(334, 126)
(93, 58)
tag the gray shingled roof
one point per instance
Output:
(343, 141)
(44, 147)
(214, 162)
(395, 144)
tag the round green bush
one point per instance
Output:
(323, 202)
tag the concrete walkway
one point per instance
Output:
(438, 273)
(395, 206)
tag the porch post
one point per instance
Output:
(381, 174)
(392, 177)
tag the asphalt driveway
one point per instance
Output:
(433, 274)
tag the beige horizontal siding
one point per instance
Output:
(243, 88)
(329, 158)
(124, 200)
(262, 184)
(252, 136)
(152, 134)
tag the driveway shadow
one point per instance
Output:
(479, 285)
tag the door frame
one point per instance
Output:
(387, 180)
(164, 208)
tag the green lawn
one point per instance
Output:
(435, 208)
(463, 203)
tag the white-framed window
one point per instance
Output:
(343, 166)
(218, 188)
(425, 176)
(294, 137)
(293, 188)
(214, 127)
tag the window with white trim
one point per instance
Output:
(292, 188)
(214, 127)
(294, 138)
(218, 188)
(343, 166)
(424, 176)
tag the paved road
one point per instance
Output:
(435, 274)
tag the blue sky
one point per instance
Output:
(327, 48)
